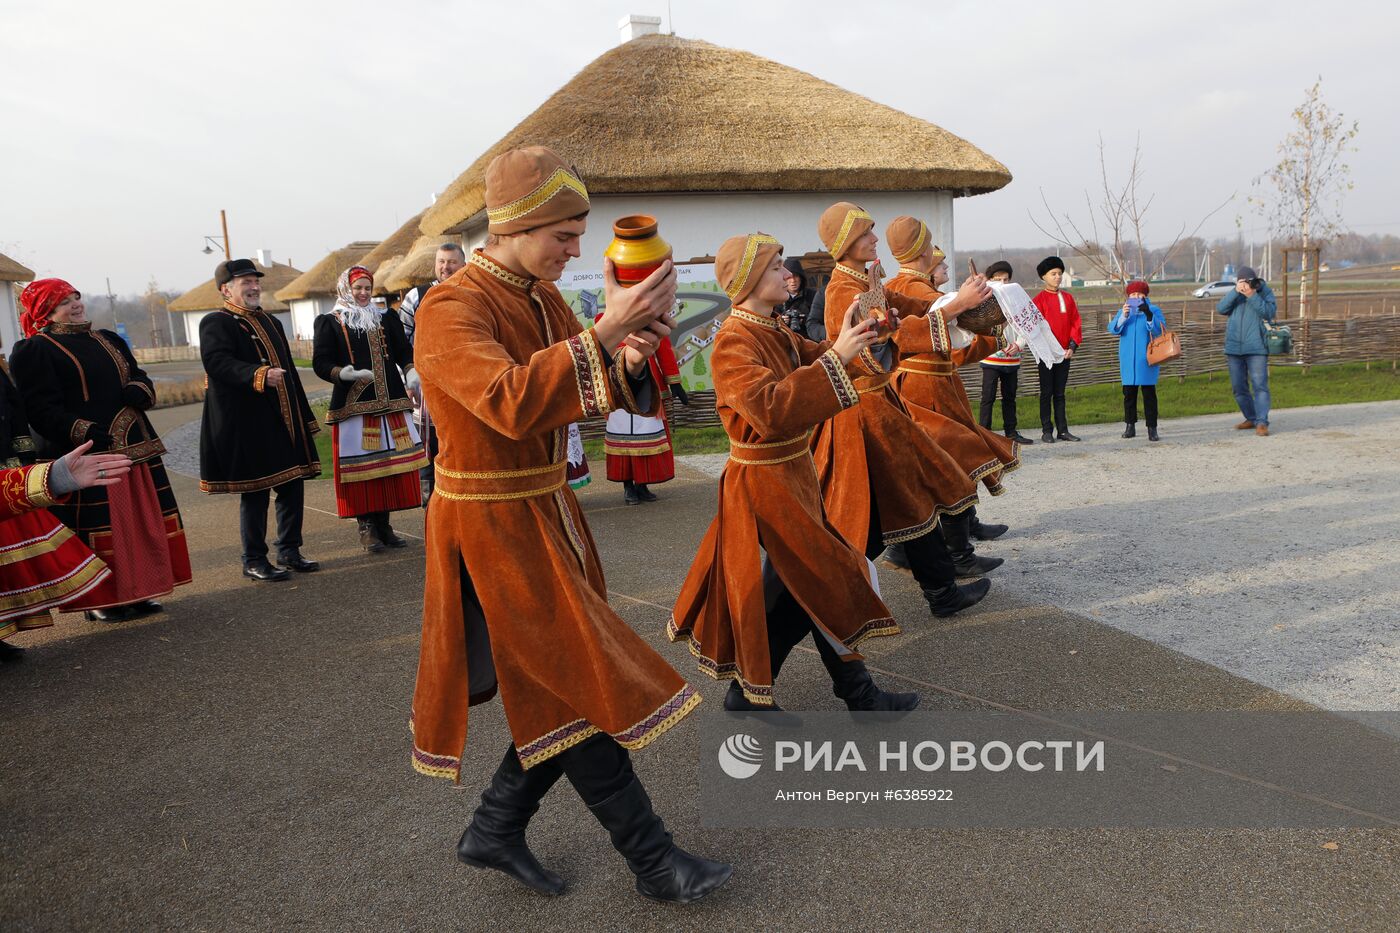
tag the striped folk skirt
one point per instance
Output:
(43, 565)
(377, 459)
(638, 448)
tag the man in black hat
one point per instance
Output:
(257, 432)
(1062, 314)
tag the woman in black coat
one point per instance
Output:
(80, 384)
(363, 352)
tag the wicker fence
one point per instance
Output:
(301, 349)
(1374, 339)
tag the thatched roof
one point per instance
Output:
(417, 268)
(665, 114)
(319, 280)
(386, 255)
(11, 271)
(206, 296)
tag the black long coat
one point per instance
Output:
(384, 351)
(254, 435)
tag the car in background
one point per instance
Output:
(1215, 289)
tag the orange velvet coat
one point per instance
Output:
(876, 449)
(771, 388)
(934, 396)
(506, 368)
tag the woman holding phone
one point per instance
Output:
(1135, 326)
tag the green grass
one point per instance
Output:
(1289, 386)
(301, 363)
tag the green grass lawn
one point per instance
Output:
(1176, 398)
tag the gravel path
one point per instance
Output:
(1274, 558)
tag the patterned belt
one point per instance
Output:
(771, 452)
(867, 384)
(926, 367)
(499, 485)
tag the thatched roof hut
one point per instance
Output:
(11, 274)
(319, 281)
(11, 271)
(660, 114)
(206, 296)
(382, 259)
(418, 267)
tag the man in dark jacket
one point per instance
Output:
(258, 430)
(796, 311)
(1250, 308)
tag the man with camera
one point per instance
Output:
(1250, 309)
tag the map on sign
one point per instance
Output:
(703, 308)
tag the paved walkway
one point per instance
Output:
(242, 761)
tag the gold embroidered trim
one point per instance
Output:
(63, 327)
(590, 374)
(78, 432)
(486, 263)
(838, 247)
(853, 273)
(770, 444)
(123, 370)
(751, 245)
(804, 452)
(918, 246)
(841, 384)
(752, 318)
(905, 270)
(36, 486)
(502, 496)
(23, 444)
(559, 181)
(498, 474)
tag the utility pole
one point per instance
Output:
(111, 303)
(223, 219)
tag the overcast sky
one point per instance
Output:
(127, 126)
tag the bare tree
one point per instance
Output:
(1122, 209)
(1302, 194)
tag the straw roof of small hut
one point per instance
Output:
(319, 281)
(418, 267)
(11, 271)
(206, 296)
(387, 254)
(799, 133)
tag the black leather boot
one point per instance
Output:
(965, 560)
(985, 532)
(386, 531)
(1130, 430)
(496, 836)
(629, 493)
(1152, 434)
(949, 600)
(850, 681)
(665, 871)
(736, 702)
(369, 536)
(1047, 437)
(644, 493)
(894, 554)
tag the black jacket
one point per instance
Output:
(254, 435)
(383, 351)
(16, 443)
(80, 384)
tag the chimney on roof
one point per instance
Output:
(265, 258)
(634, 25)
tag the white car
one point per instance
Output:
(1215, 289)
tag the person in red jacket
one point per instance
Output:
(1059, 309)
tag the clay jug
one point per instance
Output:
(637, 250)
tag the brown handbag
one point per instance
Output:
(1160, 349)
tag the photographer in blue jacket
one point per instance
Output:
(1250, 309)
(1135, 326)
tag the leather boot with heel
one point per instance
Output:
(965, 560)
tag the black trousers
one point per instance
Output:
(1053, 380)
(1149, 404)
(252, 520)
(929, 560)
(1006, 377)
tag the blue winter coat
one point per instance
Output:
(1134, 334)
(1244, 332)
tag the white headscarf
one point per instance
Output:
(360, 317)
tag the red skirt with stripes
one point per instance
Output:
(383, 494)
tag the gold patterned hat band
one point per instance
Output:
(752, 244)
(838, 248)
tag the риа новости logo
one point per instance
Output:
(740, 756)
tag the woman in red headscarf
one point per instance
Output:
(364, 353)
(79, 385)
